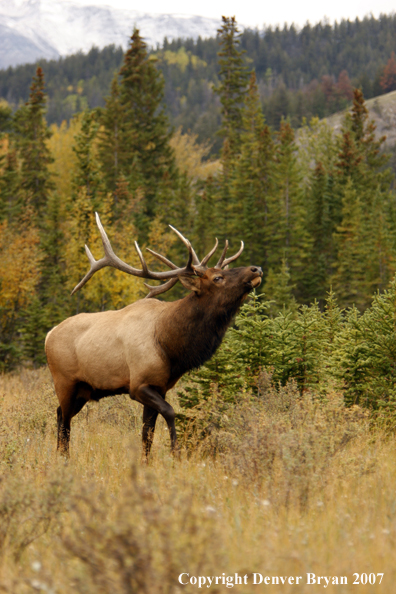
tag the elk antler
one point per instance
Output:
(193, 266)
(222, 263)
(110, 259)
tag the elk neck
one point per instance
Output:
(191, 331)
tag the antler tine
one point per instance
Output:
(105, 240)
(195, 259)
(206, 259)
(223, 255)
(110, 259)
(142, 260)
(161, 288)
(234, 257)
(162, 258)
(91, 272)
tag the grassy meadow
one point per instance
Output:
(286, 486)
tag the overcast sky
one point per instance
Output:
(258, 13)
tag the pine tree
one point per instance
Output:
(110, 138)
(348, 359)
(388, 78)
(50, 303)
(55, 300)
(253, 180)
(87, 173)
(10, 191)
(349, 280)
(377, 328)
(232, 89)
(31, 134)
(135, 138)
(333, 317)
(233, 85)
(7, 165)
(279, 290)
(361, 156)
(287, 214)
(365, 255)
(321, 226)
(205, 223)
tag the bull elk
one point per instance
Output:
(143, 349)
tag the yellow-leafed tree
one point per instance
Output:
(110, 288)
(20, 258)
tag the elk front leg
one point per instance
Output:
(151, 398)
(149, 419)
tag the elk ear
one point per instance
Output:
(192, 283)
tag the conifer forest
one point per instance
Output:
(316, 208)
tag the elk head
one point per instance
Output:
(195, 275)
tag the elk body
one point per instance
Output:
(143, 349)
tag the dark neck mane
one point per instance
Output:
(192, 334)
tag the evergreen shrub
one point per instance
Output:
(321, 352)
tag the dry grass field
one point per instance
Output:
(287, 487)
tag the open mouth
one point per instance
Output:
(255, 282)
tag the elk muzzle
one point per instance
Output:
(258, 275)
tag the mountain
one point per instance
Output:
(33, 29)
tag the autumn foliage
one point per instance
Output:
(388, 78)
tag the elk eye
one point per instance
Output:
(218, 279)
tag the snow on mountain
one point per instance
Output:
(32, 29)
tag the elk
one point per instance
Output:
(144, 349)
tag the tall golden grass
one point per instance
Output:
(287, 486)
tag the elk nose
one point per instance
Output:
(256, 269)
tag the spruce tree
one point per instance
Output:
(51, 303)
(287, 233)
(87, 173)
(111, 142)
(55, 300)
(233, 77)
(349, 280)
(135, 138)
(8, 166)
(377, 328)
(232, 89)
(30, 135)
(253, 181)
(363, 236)
(11, 199)
(348, 360)
(278, 289)
(321, 227)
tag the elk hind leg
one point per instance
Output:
(72, 398)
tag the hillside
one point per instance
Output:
(382, 110)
